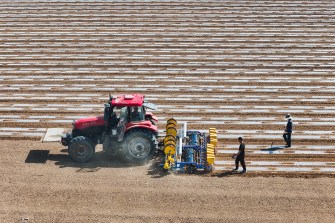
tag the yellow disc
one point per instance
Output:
(213, 135)
(172, 120)
(169, 149)
(171, 131)
(214, 142)
(169, 138)
(213, 138)
(209, 149)
(210, 145)
(170, 125)
(210, 161)
(170, 141)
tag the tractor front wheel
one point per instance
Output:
(139, 146)
(81, 149)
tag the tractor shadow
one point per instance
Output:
(100, 160)
(63, 160)
(37, 156)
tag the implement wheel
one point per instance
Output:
(191, 169)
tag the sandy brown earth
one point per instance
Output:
(120, 47)
(104, 191)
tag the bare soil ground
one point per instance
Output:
(60, 190)
(209, 54)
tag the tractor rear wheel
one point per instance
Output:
(139, 146)
(81, 149)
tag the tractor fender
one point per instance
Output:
(149, 116)
(153, 129)
(143, 125)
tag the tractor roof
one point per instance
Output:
(127, 100)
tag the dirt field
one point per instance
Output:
(61, 191)
(238, 66)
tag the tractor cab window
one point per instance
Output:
(117, 114)
(114, 120)
(124, 114)
(121, 116)
(136, 114)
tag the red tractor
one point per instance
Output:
(125, 129)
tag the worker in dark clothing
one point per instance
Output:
(107, 114)
(239, 157)
(110, 118)
(136, 114)
(113, 120)
(288, 130)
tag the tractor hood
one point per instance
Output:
(88, 122)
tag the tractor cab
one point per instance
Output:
(128, 110)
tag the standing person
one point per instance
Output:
(288, 130)
(239, 157)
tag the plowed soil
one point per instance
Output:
(107, 191)
(197, 60)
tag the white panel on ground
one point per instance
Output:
(53, 135)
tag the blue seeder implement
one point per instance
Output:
(189, 150)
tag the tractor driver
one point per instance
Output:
(107, 113)
(136, 114)
(110, 118)
(113, 120)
